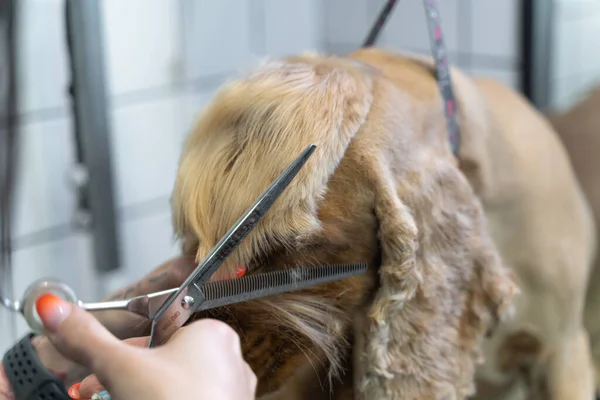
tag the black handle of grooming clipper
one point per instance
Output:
(29, 379)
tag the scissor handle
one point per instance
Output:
(34, 291)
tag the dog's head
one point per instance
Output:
(381, 187)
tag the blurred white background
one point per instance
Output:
(164, 60)
(575, 55)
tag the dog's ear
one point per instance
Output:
(252, 130)
(441, 286)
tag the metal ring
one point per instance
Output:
(34, 291)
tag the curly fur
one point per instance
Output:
(381, 187)
(538, 218)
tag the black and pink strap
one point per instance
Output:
(381, 19)
(441, 64)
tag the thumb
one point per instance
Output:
(78, 335)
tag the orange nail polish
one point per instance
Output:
(240, 271)
(74, 391)
(52, 310)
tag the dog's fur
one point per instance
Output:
(579, 129)
(383, 187)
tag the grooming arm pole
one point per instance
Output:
(96, 199)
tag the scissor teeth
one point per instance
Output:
(250, 287)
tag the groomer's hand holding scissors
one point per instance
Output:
(86, 341)
(122, 324)
(200, 361)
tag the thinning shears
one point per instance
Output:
(170, 309)
(196, 293)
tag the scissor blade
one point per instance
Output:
(172, 314)
(248, 221)
(222, 293)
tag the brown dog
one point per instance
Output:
(579, 129)
(383, 187)
(543, 228)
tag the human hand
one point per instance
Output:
(124, 324)
(171, 274)
(201, 361)
(121, 323)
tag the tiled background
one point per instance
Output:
(482, 36)
(164, 60)
(576, 56)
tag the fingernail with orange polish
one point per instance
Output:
(74, 391)
(52, 310)
(240, 271)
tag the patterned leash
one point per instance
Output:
(442, 70)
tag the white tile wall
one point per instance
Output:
(495, 27)
(407, 26)
(575, 57)
(285, 38)
(146, 141)
(43, 196)
(141, 40)
(6, 340)
(147, 242)
(588, 50)
(566, 57)
(43, 76)
(219, 38)
(348, 21)
(481, 36)
(575, 9)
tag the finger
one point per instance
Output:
(214, 339)
(138, 341)
(55, 362)
(206, 332)
(250, 379)
(124, 324)
(89, 386)
(78, 335)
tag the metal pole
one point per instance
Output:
(89, 101)
(8, 144)
(537, 26)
